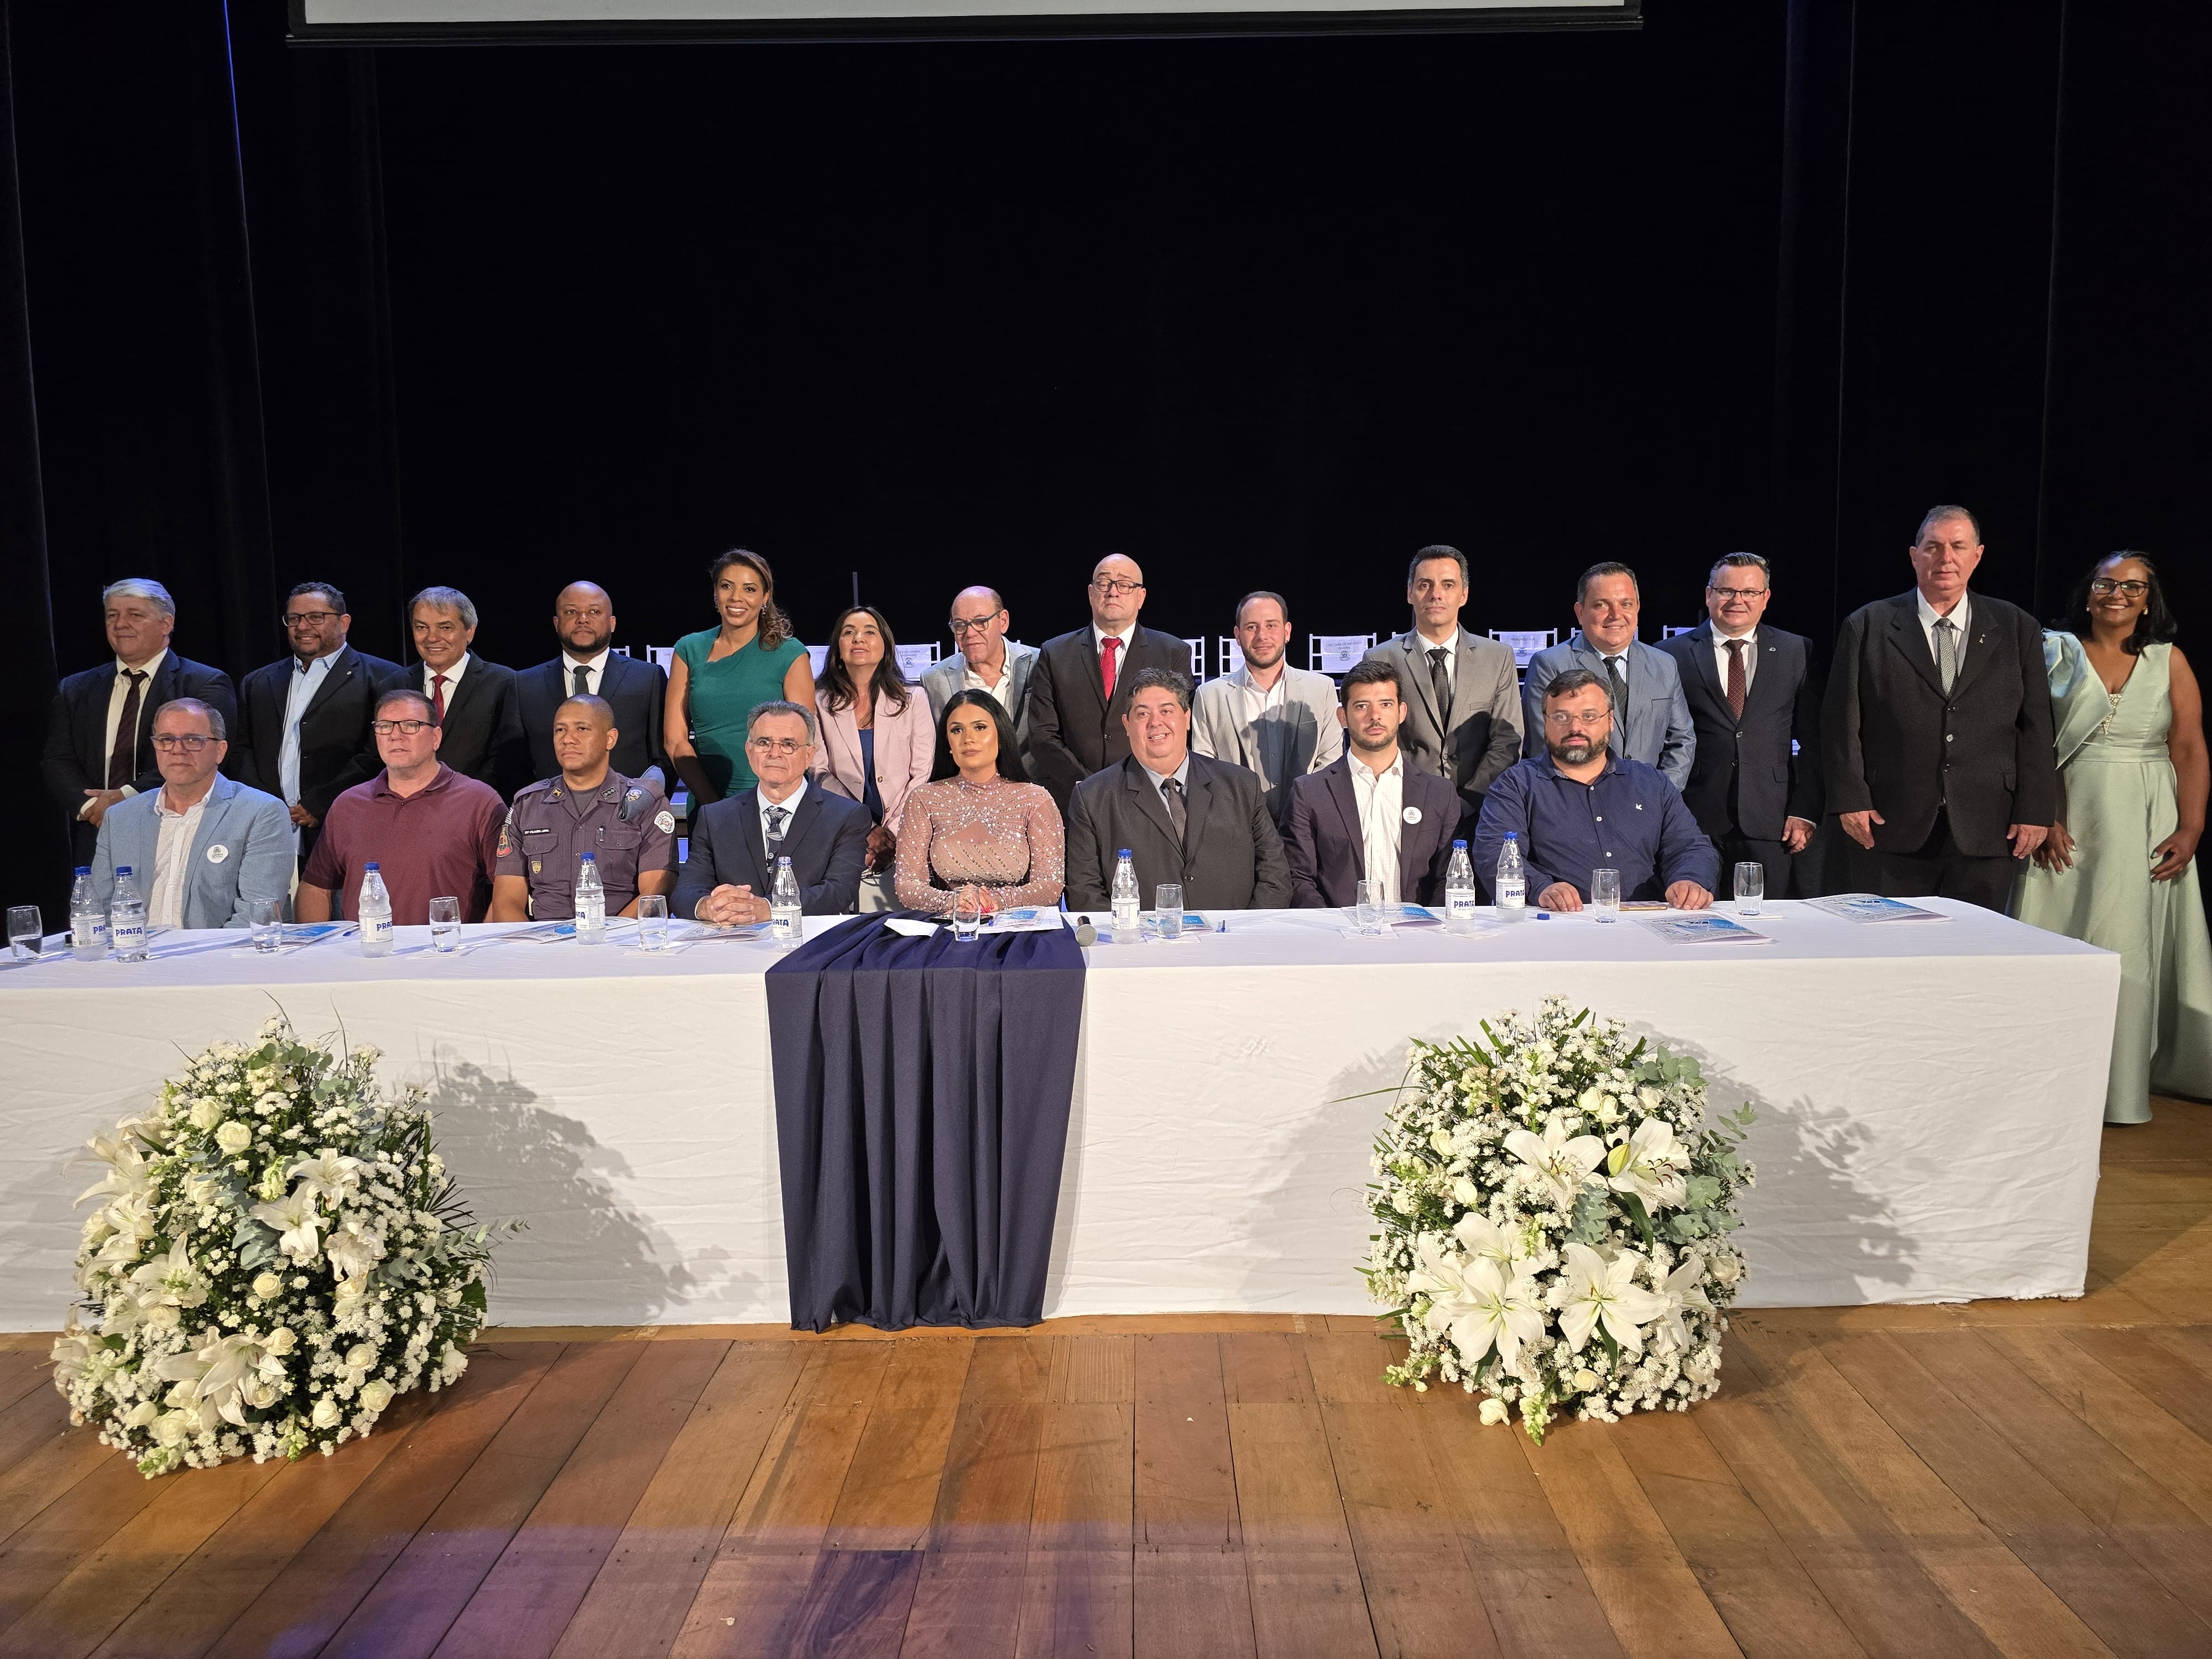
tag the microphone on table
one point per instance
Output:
(1084, 932)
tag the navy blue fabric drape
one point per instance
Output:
(922, 1090)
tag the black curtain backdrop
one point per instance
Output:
(1261, 313)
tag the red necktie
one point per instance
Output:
(1735, 676)
(1106, 651)
(437, 697)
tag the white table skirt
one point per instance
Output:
(1929, 1097)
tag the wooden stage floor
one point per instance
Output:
(2014, 1478)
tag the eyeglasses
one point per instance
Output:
(1589, 721)
(2104, 585)
(1113, 584)
(403, 728)
(301, 619)
(1739, 592)
(777, 745)
(191, 742)
(958, 628)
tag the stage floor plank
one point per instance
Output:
(1997, 1478)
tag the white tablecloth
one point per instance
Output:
(1930, 1099)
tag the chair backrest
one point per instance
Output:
(1669, 633)
(1526, 642)
(915, 660)
(1337, 653)
(820, 655)
(664, 656)
(1230, 655)
(1197, 659)
(623, 650)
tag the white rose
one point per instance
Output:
(361, 1357)
(171, 1428)
(1584, 1381)
(261, 1394)
(327, 1412)
(206, 1112)
(165, 1316)
(142, 1414)
(1724, 1270)
(376, 1395)
(281, 1342)
(1441, 1139)
(1493, 1411)
(267, 1286)
(1467, 1193)
(233, 1138)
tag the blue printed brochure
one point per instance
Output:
(1871, 907)
(1700, 928)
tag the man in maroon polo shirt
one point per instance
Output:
(434, 832)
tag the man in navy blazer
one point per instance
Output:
(584, 622)
(226, 845)
(1385, 816)
(1755, 783)
(729, 869)
(1650, 717)
(99, 749)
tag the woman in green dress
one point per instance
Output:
(720, 675)
(2119, 867)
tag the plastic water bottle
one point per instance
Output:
(87, 922)
(1460, 896)
(1126, 901)
(785, 923)
(126, 917)
(1513, 888)
(591, 901)
(375, 914)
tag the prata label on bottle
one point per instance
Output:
(375, 929)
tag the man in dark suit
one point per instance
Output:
(588, 665)
(303, 720)
(477, 707)
(100, 731)
(1937, 725)
(1460, 691)
(1368, 811)
(729, 872)
(1203, 824)
(1080, 690)
(1755, 782)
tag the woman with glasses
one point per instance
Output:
(978, 822)
(2118, 869)
(878, 738)
(720, 675)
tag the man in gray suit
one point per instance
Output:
(1183, 817)
(985, 659)
(1651, 716)
(203, 846)
(1268, 717)
(1462, 714)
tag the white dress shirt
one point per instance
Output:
(1381, 798)
(172, 859)
(1422, 645)
(452, 678)
(1750, 657)
(594, 669)
(118, 693)
(305, 682)
(1099, 638)
(789, 804)
(1003, 689)
(1961, 614)
(1182, 775)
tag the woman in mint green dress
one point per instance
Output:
(720, 675)
(2119, 867)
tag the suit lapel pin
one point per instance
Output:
(1411, 815)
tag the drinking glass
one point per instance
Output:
(26, 931)
(653, 921)
(266, 919)
(1605, 894)
(967, 912)
(1167, 898)
(1750, 887)
(1367, 907)
(444, 926)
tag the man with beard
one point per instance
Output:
(1578, 807)
(1368, 816)
(588, 666)
(1268, 717)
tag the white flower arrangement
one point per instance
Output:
(1557, 1211)
(279, 1256)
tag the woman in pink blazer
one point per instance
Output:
(878, 739)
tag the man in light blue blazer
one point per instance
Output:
(985, 659)
(203, 846)
(1651, 716)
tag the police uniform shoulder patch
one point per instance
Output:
(665, 821)
(506, 838)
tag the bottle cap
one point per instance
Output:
(1512, 835)
(1459, 846)
(122, 870)
(84, 869)
(371, 865)
(593, 858)
(1125, 853)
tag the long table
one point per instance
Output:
(1929, 1097)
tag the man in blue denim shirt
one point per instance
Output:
(1577, 808)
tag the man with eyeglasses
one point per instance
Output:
(303, 731)
(1755, 780)
(729, 870)
(983, 658)
(203, 847)
(1940, 764)
(433, 833)
(1578, 807)
(1079, 695)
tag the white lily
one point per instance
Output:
(1564, 1164)
(296, 1221)
(329, 1177)
(127, 1175)
(171, 1279)
(1651, 1164)
(1486, 1241)
(354, 1250)
(1506, 1312)
(72, 1354)
(1682, 1291)
(1595, 1290)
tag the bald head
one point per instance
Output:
(978, 626)
(584, 618)
(1116, 593)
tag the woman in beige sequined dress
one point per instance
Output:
(979, 822)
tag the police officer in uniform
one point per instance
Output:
(589, 808)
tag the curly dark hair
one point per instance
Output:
(887, 684)
(1010, 748)
(775, 627)
(2156, 626)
